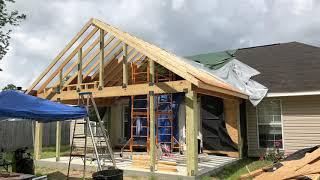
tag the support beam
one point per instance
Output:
(101, 60)
(58, 140)
(192, 118)
(79, 69)
(152, 119)
(131, 90)
(38, 140)
(125, 66)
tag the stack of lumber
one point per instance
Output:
(143, 162)
(307, 167)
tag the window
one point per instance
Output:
(125, 122)
(269, 124)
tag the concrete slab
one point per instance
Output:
(208, 164)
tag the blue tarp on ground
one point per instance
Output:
(14, 104)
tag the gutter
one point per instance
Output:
(303, 93)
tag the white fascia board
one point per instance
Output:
(304, 93)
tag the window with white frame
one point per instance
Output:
(269, 124)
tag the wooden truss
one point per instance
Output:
(98, 60)
(98, 57)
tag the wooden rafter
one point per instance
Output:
(168, 60)
(56, 59)
(85, 53)
(90, 59)
(175, 64)
(68, 59)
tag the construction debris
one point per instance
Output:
(306, 167)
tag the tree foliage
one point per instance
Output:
(8, 19)
(10, 87)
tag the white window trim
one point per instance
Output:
(257, 126)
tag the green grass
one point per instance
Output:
(236, 170)
(47, 152)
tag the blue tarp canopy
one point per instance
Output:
(14, 104)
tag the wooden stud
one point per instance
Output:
(58, 140)
(192, 118)
(88, 62)
(60, 86)
(101, 60)
(152, 119)
(38, 140)
(84, 54)
(106, 53)
(79, 69)
(125, 66)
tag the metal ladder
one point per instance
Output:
(102, 150)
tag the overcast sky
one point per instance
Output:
(181, 26)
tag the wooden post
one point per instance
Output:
(79, 69)
(192, 118)
(58, 140)
(101, 68)
(240, 140)
(125, 66)
(152, 119)
(60, 81)
(38, 140)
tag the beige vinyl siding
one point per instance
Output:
(301, 124)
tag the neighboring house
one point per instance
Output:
(290, 114)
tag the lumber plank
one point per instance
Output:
(290, 167)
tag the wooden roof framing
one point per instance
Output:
(138, 50)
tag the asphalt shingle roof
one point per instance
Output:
(285, 67)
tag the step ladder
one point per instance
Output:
(101, 152)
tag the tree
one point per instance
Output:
(10, 87)
(8, 18)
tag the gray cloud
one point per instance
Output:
(181, 26)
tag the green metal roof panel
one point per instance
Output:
(214, 60)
